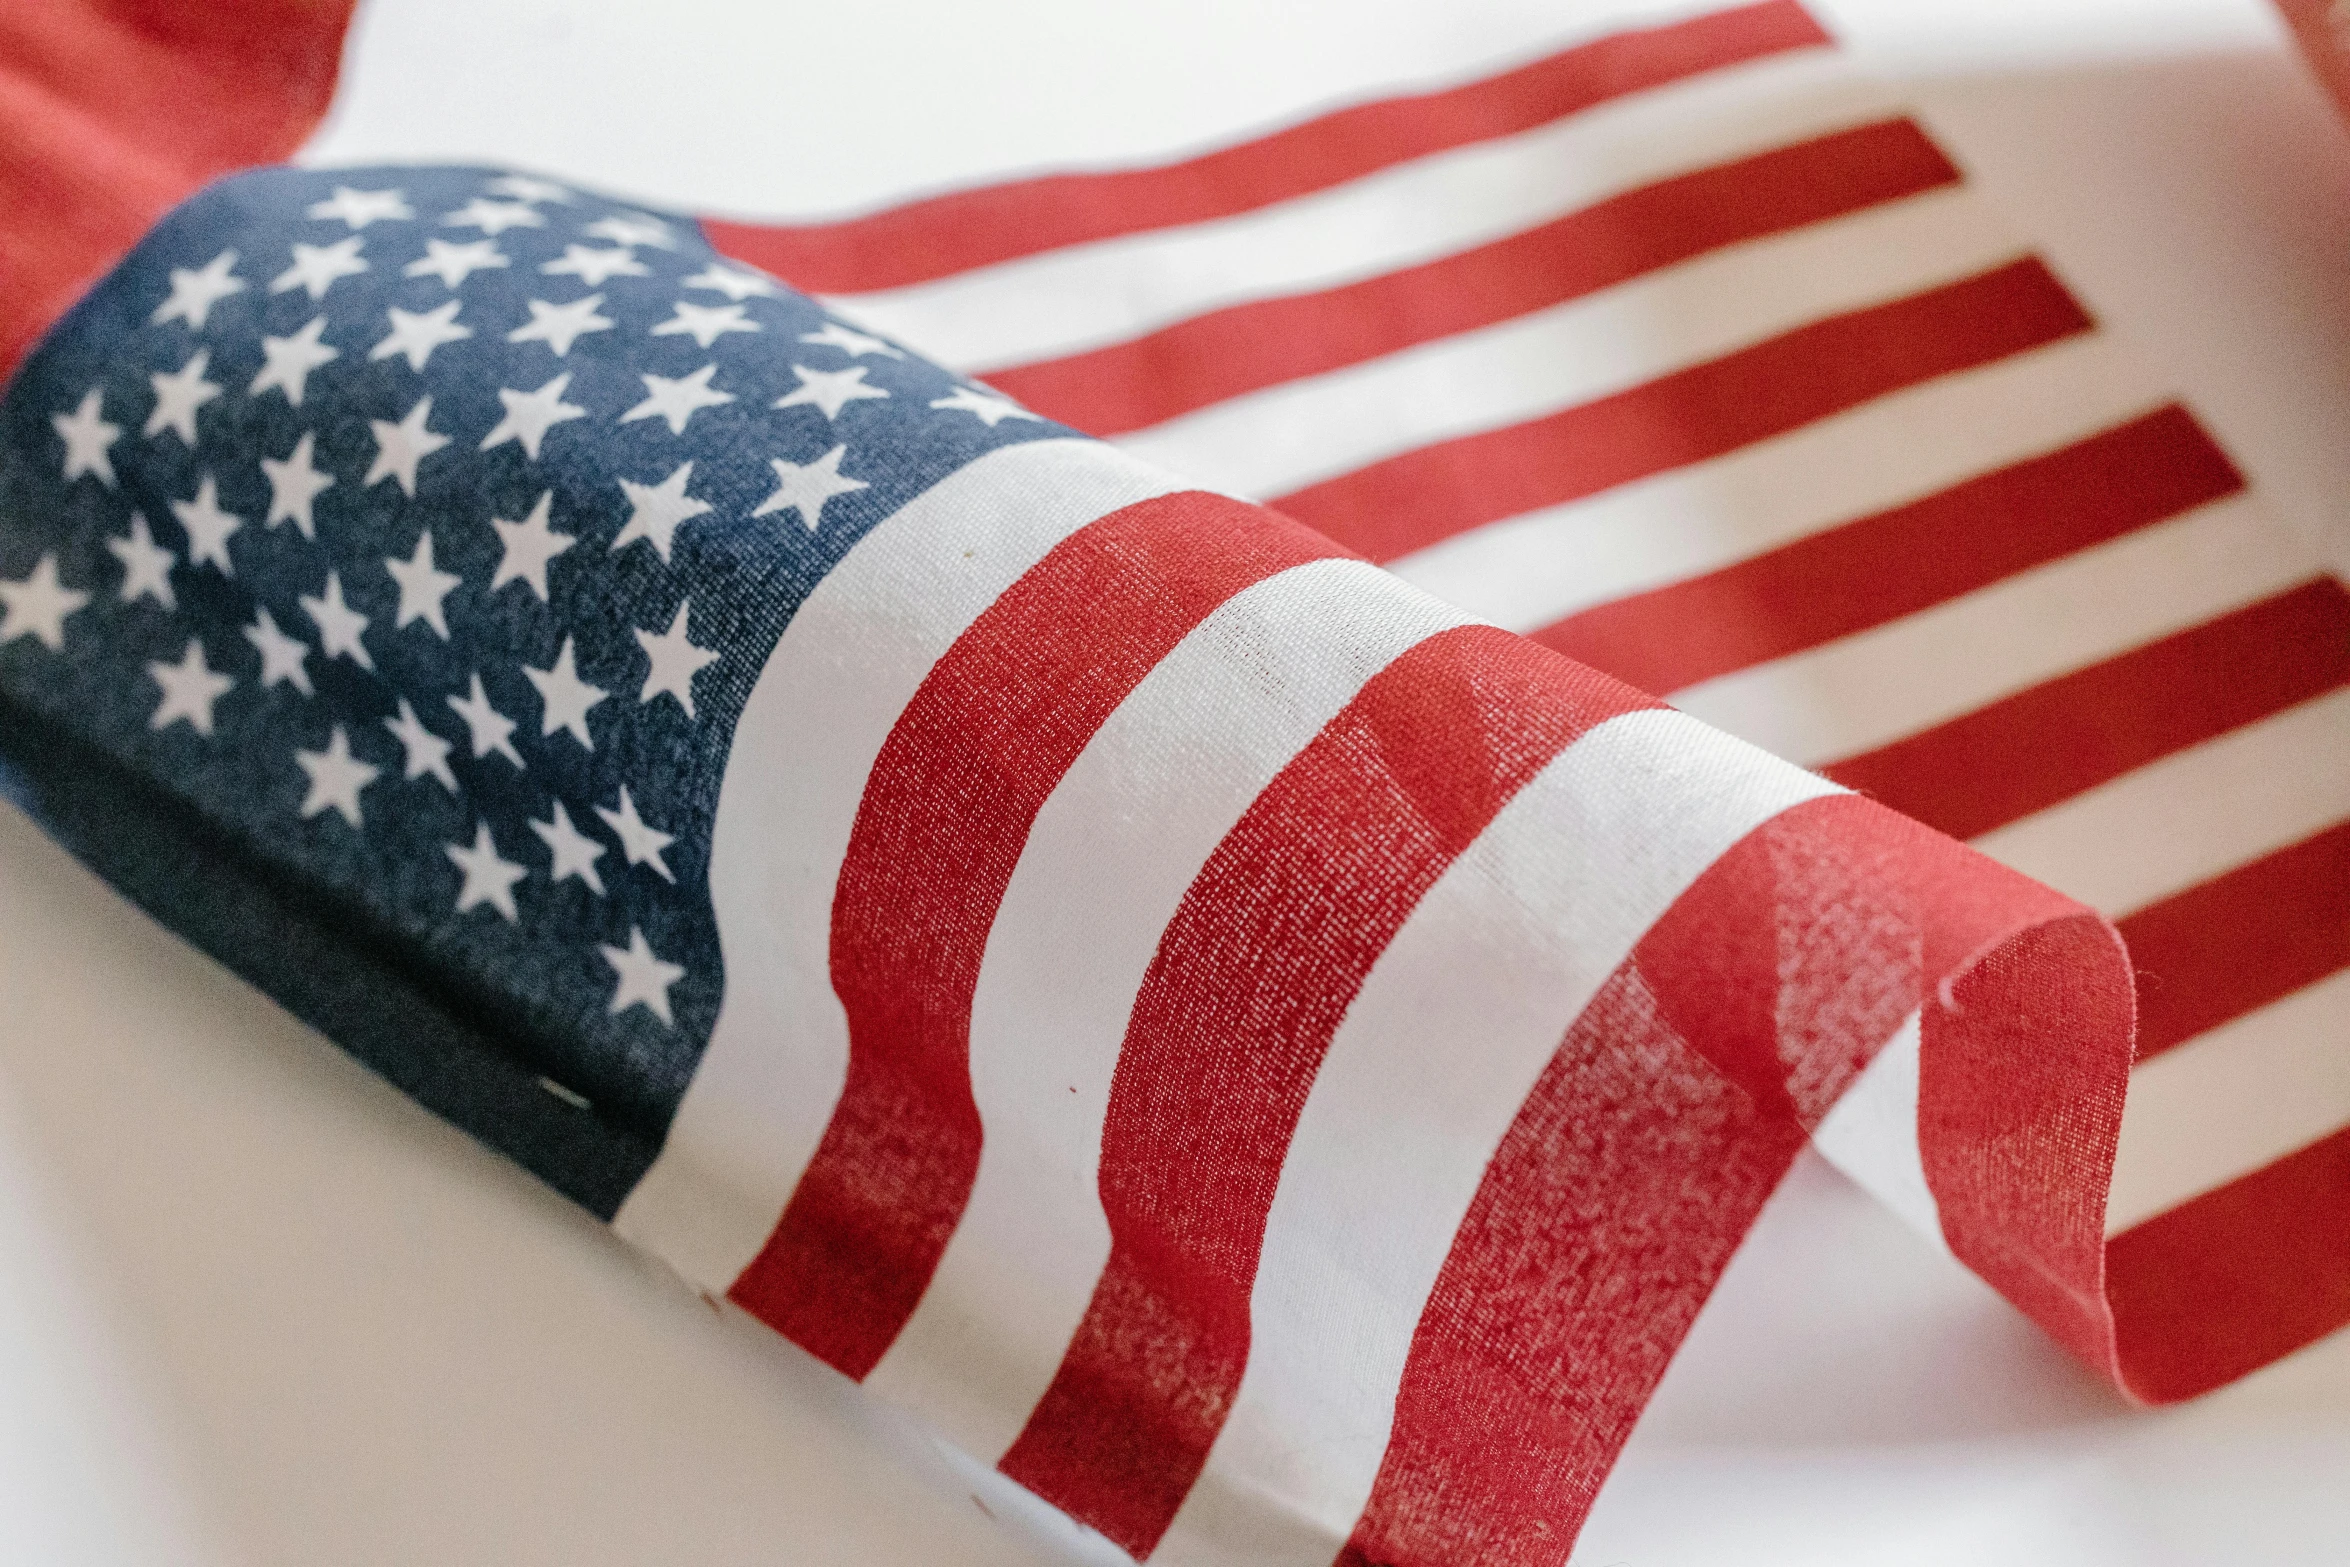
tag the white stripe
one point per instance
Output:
(1866, 690)
(1532, 570)
(1453, 1027)
(1871, 1134)
(1086, 296)
(845, 668)
(1284, 437)
(2192, 815)
(2229, 1101)
(1105, 867)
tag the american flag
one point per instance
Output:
(1684, 350)
(1243, 1041)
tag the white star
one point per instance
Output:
(530, 544)
(565, 697)
(427, 752)
(282, 657)
(36, 605)
(529, 415)
(146, 565)
(595, 267)
(422, 587)
(642, 844)
(704, 323)
(316, 267)
(632, 228)
(643, 979)
(805, 487)
(291, 359)
(358, 208)
(208, 527)
(194, 293)
(336, 777)
(453, 263)
(293, 485)
(658, 509)
(87, 434)
(828, 391)
(339, 625)
(179, 395)
(677, 400)
(189, 690)
(494, 217)
(991, 411)
(522, 187)
(416, 334)
(489, 728)
(735, 283)
(575, 852)
(559, 326)
(488, 879)
(854, 344)
(675, 662)
(400, 447)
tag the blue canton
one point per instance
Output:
(412, 538)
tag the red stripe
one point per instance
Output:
(1250, 980)
(1228, 352)
(2026, 753)
(946, 812)
(1410, 501)
(112, 114)
(2241, 1276)
(1669, 1113)
(1880, 568)
(943, 235)
(2240, 941)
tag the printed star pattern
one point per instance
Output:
(190, 688)
(489, 878)
(828, 391)
(805, 487)
(677, 400)
(565, 697)
(336, 777)
(291, 359)
(195, 290)
(424, 589)
(208, 526)
(385, 595)
(657, 510)
(644, 978)
(178, 396)
(415, 334)
(454, 263)
(316, 267)
(400, 447)
(146, 565)
(560, 326)
(36, 607)
(358, 208)
(87, 434)
(283, 658)
(705, 324)
(294, 484)
(675, 662)
(530, 415)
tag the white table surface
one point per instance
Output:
(257, 1308)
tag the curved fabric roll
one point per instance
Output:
(1269, 1060)
(495, 625)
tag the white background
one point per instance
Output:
(256, 1308)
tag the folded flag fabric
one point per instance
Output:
(1686, 351)
(1268, 1059)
